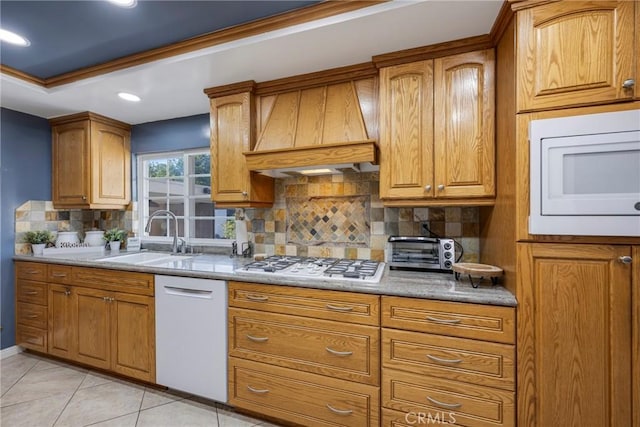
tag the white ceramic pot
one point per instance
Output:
(114, 246)
(38, 248)
(66, 238)
(94, 238)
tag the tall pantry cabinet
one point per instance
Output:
(578, 316)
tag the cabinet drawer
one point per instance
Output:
(477, 362)
(31, 271)
(59, 274)
(31, 292)
(322, 304)
(113, 280)
(471, 405)
(482, 322)
(32, 338)
(302, 398)
(31, 315)
(321, 346)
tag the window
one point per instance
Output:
(181, 182)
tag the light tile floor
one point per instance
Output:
(38, 392)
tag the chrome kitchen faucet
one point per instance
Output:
(147, 228)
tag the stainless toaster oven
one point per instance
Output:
(421, 253)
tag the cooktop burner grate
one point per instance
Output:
(325, 268)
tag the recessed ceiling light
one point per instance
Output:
(13, 38)
(124, 3)
(129, 97)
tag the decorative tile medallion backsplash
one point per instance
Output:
(322, 220)
(342, 216)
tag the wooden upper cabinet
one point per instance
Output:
(575, 335)
(91, 162)
(437, 129)
(575, 53)
(464, 125)
(232, 133)
(406, 130)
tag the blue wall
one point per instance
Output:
(25, 174)
(170, 135)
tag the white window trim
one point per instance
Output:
(143, 208)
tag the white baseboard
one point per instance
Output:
(10, 351)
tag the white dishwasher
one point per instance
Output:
(191, 335)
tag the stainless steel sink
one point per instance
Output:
(145, 258)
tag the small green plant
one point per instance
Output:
(38, 237)
(114, 235)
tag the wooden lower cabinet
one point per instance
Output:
(447, 363)
(61, 325)
(305, 356)
(92, 325)
(575, 335)
(339, 350)
(303, 398)
(103, 328)
(133, 337)
(31, 306)
(114, 331)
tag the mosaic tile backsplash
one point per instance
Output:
(324, 216)
(41, 215)
(342, 216)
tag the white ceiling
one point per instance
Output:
(173, 87)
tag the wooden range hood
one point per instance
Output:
(316, 121)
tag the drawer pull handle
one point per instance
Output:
(257, 390)
(440, 360)
(444, 405)
(257, 298)
(31, 293)
(339, 307)
(59, 274)
(32, 316)
(340, 411)
(445, 321)
(257, 339)
(32, 271)
(339, 353)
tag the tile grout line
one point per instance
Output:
(70, 399)
(19, 379)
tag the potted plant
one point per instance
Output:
(39, 239)
(114, 237)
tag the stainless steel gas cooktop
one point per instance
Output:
(321, 268)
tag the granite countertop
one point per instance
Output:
(437, 286)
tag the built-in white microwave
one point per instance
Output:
(585, 175)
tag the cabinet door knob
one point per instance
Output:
(441, 187)
(245, 194)
(67, 292)
(625, 259)
(84, 197)
(427, 187)
(628, 84)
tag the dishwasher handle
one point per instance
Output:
(186, 292)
